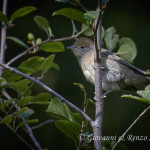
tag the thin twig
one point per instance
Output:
(3, 37)
(29, 49)
(50, 91)
(83, 120)
(82, 6)
(134, 122)
(22, 139)
(43, 123)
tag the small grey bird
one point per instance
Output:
(117, 73)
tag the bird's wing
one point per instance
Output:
(115, 57)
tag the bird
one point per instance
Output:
(117, 73)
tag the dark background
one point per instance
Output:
(131, 19)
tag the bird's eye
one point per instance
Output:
(82, 47)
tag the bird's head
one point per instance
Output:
(81, 47)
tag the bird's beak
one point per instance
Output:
(71, 47)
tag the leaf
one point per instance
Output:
(131, 43)
(125, 51)
(6, 103)
(28, 113)
(7, 120)
(87, 31)
(10, 77)
(43, 24)
(25, 100)
(33, 63)
(3, 17)
(62, 1)
(3, 82)
(21, 12)
(59, 110)
(26, 70)
(18, 41)
(70, 129)
(79, 118)
(52, 47)
(136, 98)
(111, 38)
(91, 15)
(24, 109)
(27, 122)
(47, 63)
(71, 13)
(55, 66)
(41, 99)
(21, 85)
(145, 93)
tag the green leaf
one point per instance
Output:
(111, 38)
(136, 98)
(91, 15)
(21, 12)
(59, 110)
(25, 100)
(55, 66)
(79, 118)
(125, 51)
(70, 129)
(10, 77)
(47, 63)
(28, 113)
(3, 17)
(6, 103)
(145, 93)
(7, 120)
(62, 1)
(26, 70)
(21, 85)
(27, 122)
(52, 47)
(43, 24)
(71, 13)
(3, 82)
(131, 43)
(41, 99)
(18, 41)
(33, 63)
(24, 109)
(87, 31)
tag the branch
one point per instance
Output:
(98, 123)
(45, 122)
(3, 37)
(134, 122)
(29, 49)
(50, 91)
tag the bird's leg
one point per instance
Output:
(104, 95)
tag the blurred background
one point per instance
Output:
(131, 19)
